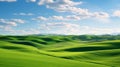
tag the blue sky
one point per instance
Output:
(23, 17)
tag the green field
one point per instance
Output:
(58, 51)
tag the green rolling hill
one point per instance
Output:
(58, 51)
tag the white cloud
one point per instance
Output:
(21, 31)
(57, 17)
(8, 0)
(71, 7)
(40, 18)
(66, 18)
(24, 14)
(101, 15)
(59, 5)
(8, 29)
(73, 17)
(116, 13)
(26, 32)
(60, 28)
(85, 13)
(18, 20)
(31, 0)
(60, 18)
(7, 24)
(11, 23)
(97, 30)
(64, 6)
(75, 29)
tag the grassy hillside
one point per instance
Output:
(19, 59)
(58, 51)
